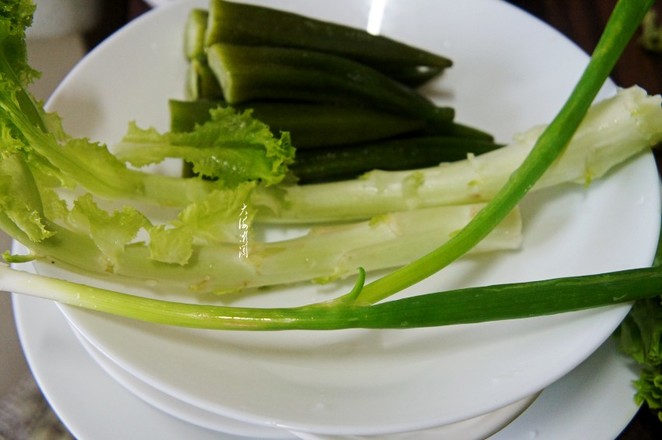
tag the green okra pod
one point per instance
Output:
(249, 73)
(350, 161)
(244, 24)
(309, 125)
(194, 34)
(201, 83)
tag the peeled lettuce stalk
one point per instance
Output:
(613, 130)
(177, 259)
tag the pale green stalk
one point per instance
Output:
(613, 131)
(463, 306)
(323, 254)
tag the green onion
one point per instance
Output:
(463, 306)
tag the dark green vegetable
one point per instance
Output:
(243, 24)
(350, 161)
(249, 73)
(522, 300)
(309, 125)
(341, 142)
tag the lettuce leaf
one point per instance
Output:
(232, 147)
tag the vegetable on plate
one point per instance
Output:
(72, 202)
(62, 193)
(326, 84)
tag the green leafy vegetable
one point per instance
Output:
(39, 162)
(231, 147)
(640, 336)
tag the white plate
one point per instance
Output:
(177, 408)
(478, 427)
(593, 401)
(510, 72)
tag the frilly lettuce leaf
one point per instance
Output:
(111, 231)
(231, 147)
(640, 336)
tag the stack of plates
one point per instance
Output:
(511, 72)
(593, 401)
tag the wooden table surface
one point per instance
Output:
(580, 20)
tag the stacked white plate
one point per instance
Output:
(593, 401)
(511, 72)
